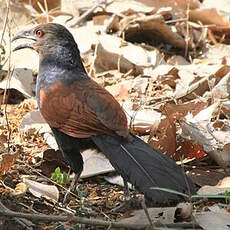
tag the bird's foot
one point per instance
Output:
(67, 196)
(71, 188)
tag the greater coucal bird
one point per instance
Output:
(80, 113)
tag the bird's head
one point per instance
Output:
(46, 37)
(54, 43)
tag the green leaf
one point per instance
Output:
(59, 177)
(65, 177)
(58, 170)
(54, 176)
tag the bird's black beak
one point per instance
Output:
(26, 34)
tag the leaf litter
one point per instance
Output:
(167, 63)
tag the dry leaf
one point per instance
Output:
(161, 215)
(222, 5)
(206, 176)
(222, 186)
(50, 140)
(120, 90)
(145, 27)
(148, 6)
(51, 4)
(119, 6)
(166, 131)
(113, 53)
(142, 121)
(51, 160)
(213, 220)
(21, 80)
(20, 190)
(34, 120)
(42, 190)
(95, 163)
(188, 150)
(217, 53)
(8, 159)
(80, 34)
(177, 60)
(213, 140)
(179, 111)
(117, 180)
(222, 89)
(209, 16)
(100, 19)
(140, 84)
(166, 137)
(3, 139)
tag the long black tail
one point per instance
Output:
(144, 167)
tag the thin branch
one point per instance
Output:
(27, 225)
(84, 16)
(187, 29)
(6, 20)
(70, 218)
(89, 221)
(4, 101)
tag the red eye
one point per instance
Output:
(39, 33)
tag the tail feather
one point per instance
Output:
(144, 167)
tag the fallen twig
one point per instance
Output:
(26, 224)
(84, 16)
(90, 221)
(187, 30)
(4, 101)
(69, 218)
(5, 21)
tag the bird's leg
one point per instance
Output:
(128, 202)
(143, 204)
(71, 188)
(70, 149)
(126, 189)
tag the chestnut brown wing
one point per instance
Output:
(82, 109)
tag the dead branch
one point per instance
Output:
(84, 16)
(5, 22)
(187, 30)
(90, 221)
(73, 219)
(26, 224)
(8, 74)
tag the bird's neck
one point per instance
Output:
(59, 65)
(66, 58)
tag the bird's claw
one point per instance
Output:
(71, 188)
(67, 196)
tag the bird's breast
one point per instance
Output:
(56, 103)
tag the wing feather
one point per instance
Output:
(82, 109)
